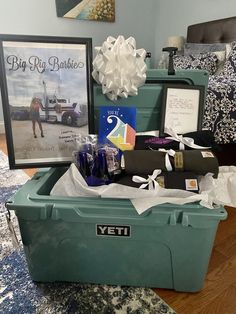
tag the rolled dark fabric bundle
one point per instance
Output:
(170, 180)
(144, 162)
(198, 161)
(203, 138)
(181, 180)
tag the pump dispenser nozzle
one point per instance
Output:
(172, 52)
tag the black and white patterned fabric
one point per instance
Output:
(201, 61)
(230, 64)
(220, 108)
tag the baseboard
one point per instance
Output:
(2, 128)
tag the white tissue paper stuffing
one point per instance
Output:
(220, 191)
(119, 67)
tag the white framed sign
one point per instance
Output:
(182, 108)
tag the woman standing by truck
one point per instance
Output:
(35, 116)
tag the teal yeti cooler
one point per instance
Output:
(105, 241)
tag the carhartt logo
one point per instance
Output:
(113, 230)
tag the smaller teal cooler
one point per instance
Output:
(105, 241)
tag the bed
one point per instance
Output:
(220, 107)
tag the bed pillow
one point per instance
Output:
(201, 61)
(218, 48)
(230, 63)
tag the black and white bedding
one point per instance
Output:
(220, 106)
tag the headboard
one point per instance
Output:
(217, 31)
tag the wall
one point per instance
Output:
(175, 16)
(33, 17)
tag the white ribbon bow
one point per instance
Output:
(169, 152)
(119, 67)
(150, 181)
(188, 141)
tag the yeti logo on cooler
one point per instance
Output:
(113, 230)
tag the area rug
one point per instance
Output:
(19, 294)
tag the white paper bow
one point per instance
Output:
(188, 141)
(119, 67)
(150, 181)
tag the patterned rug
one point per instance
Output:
(20, 295)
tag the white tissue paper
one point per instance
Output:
(119, 67)
(220, 191)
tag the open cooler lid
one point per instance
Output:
(46, 94)
(150, 102)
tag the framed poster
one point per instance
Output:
(182, 108)
(47, 100)
(93, 10)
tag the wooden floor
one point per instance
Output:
(219, 293)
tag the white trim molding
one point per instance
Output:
(2, 128)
